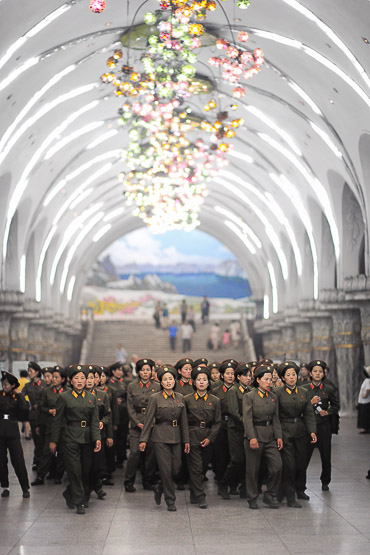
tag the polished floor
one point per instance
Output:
(332, 522)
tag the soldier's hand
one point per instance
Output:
(205, 442)
(38, 430)
(313, 438)
(279, 442)
(253, 443)
(52, 447)
(187, 448)
(324, 413)
(97, 446)
(101, 425)
(315, 400)
(53, 412)
(115, 427)
(140, 425)
(142, 446)
(109, 442)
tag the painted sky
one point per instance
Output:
(142, 246)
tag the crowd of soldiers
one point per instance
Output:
(255, 424)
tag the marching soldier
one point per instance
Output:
(184, 385)
(32, 391)
(117, 383)
(139, 393)
(204, 420)
(103, 379)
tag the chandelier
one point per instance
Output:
(174, 146)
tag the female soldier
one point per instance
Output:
(325, 402)
(138, 395)
(48, 404)
(77, 410)
(32, 391)
(13, 407)
(109, 453)
(297, 421)
(47, 374)
(170, 430)
(262, 433)
(215, 374)
(204, 419)
(221, 454)
(235, 471)
(184, 385)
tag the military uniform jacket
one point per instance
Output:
(73, 407)
(112, 396)
(295, 412)
(258, 408)
(138, 396)
(185, 388)
(221, 392)
(235, 405)
(329, 400)
(119, 387)
(33, 392)
(169, 416)
(49, 397)
(13, 407)
(303, 381)
(105, 413)
(204, 416)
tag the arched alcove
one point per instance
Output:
(353, 233)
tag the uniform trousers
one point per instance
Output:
(78, 460)
(47, 460)
(97, 468)
(221, 454)
(294, 457)
(14, 446)
(134, 460)
(253, 458)
(120, 436)
(198, 461)
(324, 446)
(38, 443)
(235, 471)
(168, 457)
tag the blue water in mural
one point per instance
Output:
(211, 285)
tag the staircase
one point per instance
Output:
(142, 338)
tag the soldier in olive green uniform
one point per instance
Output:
(184, 385)
(304, 374)
(204, 420)
(48, 403)
(109, 450)
(221, 454)
(32, 391)
(170, 430)
(215, 374)
(117, 382)
(139, 393)
(325, 403)
(263, 437)
(235, 471)
(77, 411)
(298, 423)
(13, 408)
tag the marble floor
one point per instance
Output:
(333, 522)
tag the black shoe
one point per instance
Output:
(302, 495)
(368, 475)
(28, 438)
(26, 494)
(34, 467)
(80, 509)
(180, 486)
(148, 487)
(271, 501)
(222, 490)
(101, 493)
(130, 488)
(193, 499)
(325, 487)
(57, 481)
(70, 505)
(253, 504)
(294, 504)
(50, 476)
(38, 481)
(108, 482)
(5, 493)
(171, 508)
(234, 491)
(202, 504)
(157, 494)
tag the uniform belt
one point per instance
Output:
(225, 417)
(7, 417)
(172, 423)
(201, 424)
(141, 411)
(79, 423)
(262, 423)
(291, 420)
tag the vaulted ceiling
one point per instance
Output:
(293, 203)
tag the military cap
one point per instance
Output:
(303, 365)
(13, 380)
(253, 363)
(234, 363)
(115, 366)
(32, 364)
(314, 363)
(225, 365)
(76, 368)
(180, 363)
(261, 370)
(199, 362)
(214, 365)
(164, 370)
(284, 366)
(60, 370)
(267, 361)
(143, 362)
(47, 369)
(242, 368)
(201, 370)
(90, 368)
(106, 370)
